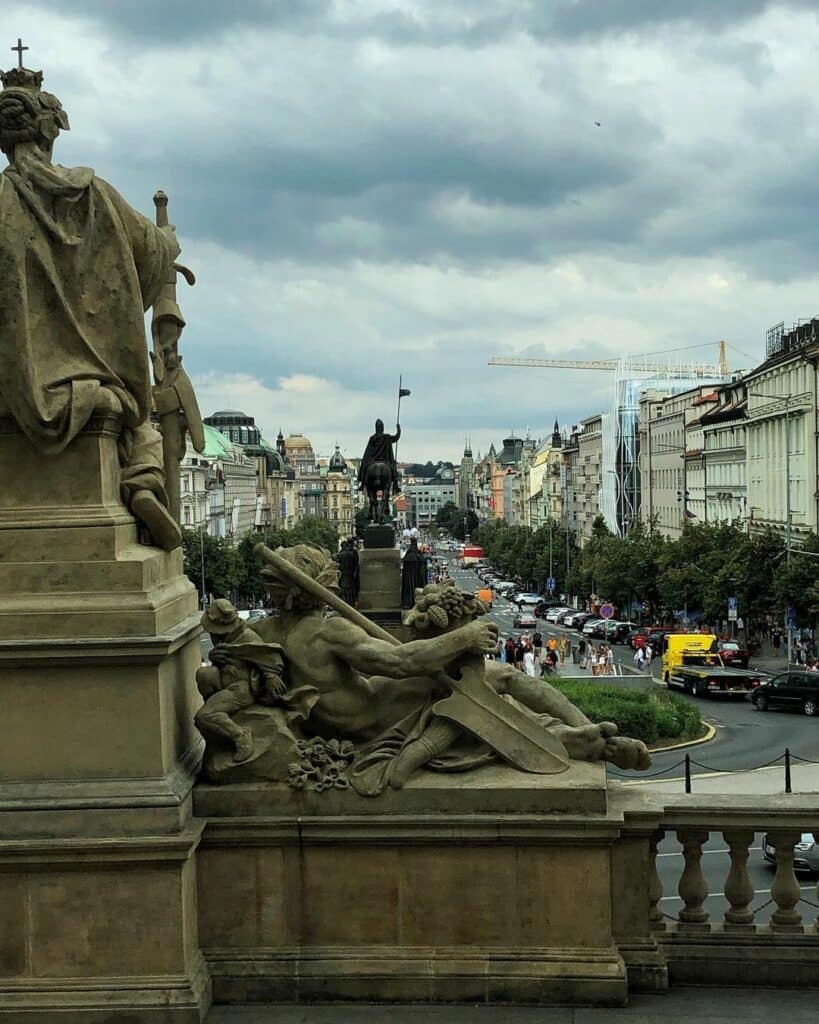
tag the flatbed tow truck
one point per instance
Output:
(691, 662)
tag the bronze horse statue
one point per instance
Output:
(378, 485)
(377, 474)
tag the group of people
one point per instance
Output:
(530, 654)
(643, 657)
(599, 659)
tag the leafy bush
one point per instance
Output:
(646, 715)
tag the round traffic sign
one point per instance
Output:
(606, 611)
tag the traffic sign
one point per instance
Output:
(550, 584)
(606, 611)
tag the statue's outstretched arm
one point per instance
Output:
(372, 657)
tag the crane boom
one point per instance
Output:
(612, 365)
(565, 364)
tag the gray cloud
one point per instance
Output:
(365, 191)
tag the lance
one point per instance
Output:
(174, 398)
(473, 704)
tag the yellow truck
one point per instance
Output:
(691, 662)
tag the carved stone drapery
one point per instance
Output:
(738, 889)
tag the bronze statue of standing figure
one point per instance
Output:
(378, 472)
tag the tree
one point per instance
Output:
(312, 530)
(454, 519)
(222, 563)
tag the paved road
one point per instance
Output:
(746, 738)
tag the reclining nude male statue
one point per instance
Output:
(389, 700)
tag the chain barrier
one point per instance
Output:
(643, 775)
(787, 756)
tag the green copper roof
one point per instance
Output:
(216, 444)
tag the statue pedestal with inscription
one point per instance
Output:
(98, 753)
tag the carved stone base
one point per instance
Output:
(101, 931)
(456, 889)
(99, 647)
(274, 750)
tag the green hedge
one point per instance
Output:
(647, 715)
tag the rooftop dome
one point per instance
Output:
(297, 442)
(337, 463)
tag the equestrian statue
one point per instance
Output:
(378, 473)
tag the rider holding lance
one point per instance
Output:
(379, 449)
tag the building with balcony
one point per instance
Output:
(724, 456)
(339, 507)
(589, 475)
(781, 434)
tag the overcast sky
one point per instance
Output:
(367, 189)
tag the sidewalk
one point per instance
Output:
(757, 782)
(679, 1006)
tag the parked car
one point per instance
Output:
(545, 604)
(805, 853)
(553, 614)
(579, 620)
(505, 588)
(794, 689)
(524, 620)
(732, 654)
(567, 614)
(524, 599)
(590, 626)
(652, 633)
(619, 632)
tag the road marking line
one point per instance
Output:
(757, 892)
(726, 850)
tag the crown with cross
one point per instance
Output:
(20, 77)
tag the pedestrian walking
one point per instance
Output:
(593, 660)
(529, 663)
(519, 652)
(581, 652)
(640, 659)
(500, 652)
(609, 661)
(563, 647)
(537, 646)
(649, 653)
(510, 651)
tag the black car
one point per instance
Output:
(793, 689)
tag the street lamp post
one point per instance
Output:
(786, 400)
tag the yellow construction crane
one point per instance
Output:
(626, 365)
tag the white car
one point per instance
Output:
(553, 613)
(591, 626)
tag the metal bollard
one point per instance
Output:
(688, 773)
(788, 770)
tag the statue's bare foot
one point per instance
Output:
(147, 508)
(586, 742)
(624, 752)
(106, 402)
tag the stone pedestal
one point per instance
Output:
(98, 753)
(488, 887)
(380, 568)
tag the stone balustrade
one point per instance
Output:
(736, 944)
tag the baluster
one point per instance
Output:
(655, 884)
(692, 887)
(739, 890)
(785, 889)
